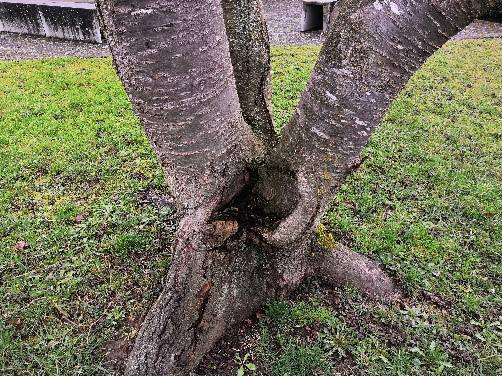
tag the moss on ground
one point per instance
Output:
(84, 237)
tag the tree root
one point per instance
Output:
(209, 290)
(206, 293)
(342, 266)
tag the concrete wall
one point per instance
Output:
(75, 20)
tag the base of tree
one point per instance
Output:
(220, 361)
(219, 281)
(244, 338)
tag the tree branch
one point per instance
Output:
(250, 51)
(174, 60)
(370, 53)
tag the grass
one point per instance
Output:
(73, 165)
(83, 239)
(292, 67)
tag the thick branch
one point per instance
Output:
(371, 51)
(250, 52)
(174, 61)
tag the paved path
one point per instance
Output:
(18, 47)
(481, 29)
(284, 17)
(283, 24)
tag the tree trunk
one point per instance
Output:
(249, 202)
(173, 58)
(370, 53)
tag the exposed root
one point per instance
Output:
(219, 278)
(342, 266)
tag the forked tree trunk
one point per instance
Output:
(198, 75)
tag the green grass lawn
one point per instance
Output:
(84, 242)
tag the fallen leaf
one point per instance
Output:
(16, 323)
(21, 245)
(225, 229)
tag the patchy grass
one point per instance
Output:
(74, 169)
(291, 68)
(83, 235)
(427, 204)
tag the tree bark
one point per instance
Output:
(173, 58)
(341, 266)
(370, 53)
(246, 234)
(250, 52)
(206, 292)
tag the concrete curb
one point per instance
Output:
(73, 20)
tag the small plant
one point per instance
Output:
(116, 315)
(244, 365)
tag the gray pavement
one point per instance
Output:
(283, 18)
(481, 29)
(21, 47)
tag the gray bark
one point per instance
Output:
(207, 293)
(250, 52)
(246, 233)
(343, 266)
(370, 53)
(173, 58)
